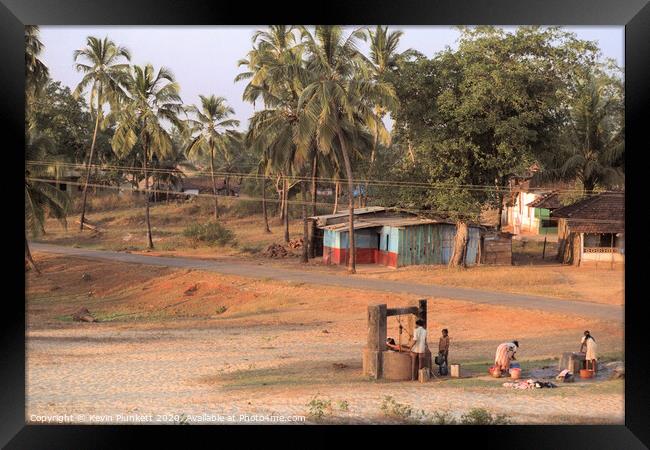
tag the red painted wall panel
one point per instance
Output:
(333, 255)
(386, 258)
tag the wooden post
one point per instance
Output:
(422, 315)
(376, 343)
(544, 249)
(611, 250)
(422, 310)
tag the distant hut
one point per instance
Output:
(521, 211)
(592, 230)
(203, 185)
(543, 206)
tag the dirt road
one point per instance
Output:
(582, 308)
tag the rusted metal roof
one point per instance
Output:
(334, 219)
(343, 213)
(395, 221)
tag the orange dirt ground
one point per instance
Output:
(181, 341)
(123, 230)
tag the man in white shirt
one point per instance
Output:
(418, 349)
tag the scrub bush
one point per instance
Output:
(211, 233)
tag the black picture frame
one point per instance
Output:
(633, 14)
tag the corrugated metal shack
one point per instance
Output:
(394, 240)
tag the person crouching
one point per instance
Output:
(505, 354)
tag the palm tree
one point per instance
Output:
(384, 59)
(594, 146)
(339, 103)
(36, 72)
(277, 77)
(106, 73)
(153, 98)
(211, 130)
(41, 197)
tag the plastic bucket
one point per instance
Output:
(586, 373)
(515, 373)
(495, 372)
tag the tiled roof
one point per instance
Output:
(547, 201)
(602, 213)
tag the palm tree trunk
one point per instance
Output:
(281, 196)
(214, 184)
(500, 211)
(304, 258)
(460, 244)
(266, 217)
(501, 198)
(90, 161)
(286, 210)
(312, 224)
(373, 155)
(348, 170)
(337, 189)
(146, 194)
(28, 256)
(314, 172)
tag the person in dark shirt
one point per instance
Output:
(443, 350)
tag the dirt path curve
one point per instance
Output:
(573, 307)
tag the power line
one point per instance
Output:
(272, 200)
(370, 182)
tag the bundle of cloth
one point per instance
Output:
(529, 384)
(565, 376)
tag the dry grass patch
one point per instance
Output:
(598, 285)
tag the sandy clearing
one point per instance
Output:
(267, 353)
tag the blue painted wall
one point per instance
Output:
(420, 244)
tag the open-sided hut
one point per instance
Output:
(592, 230)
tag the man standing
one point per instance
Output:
(443, 351)
(418, 349)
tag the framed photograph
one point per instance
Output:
(389, 213)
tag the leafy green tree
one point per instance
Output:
(153, 99)
(105, 68)
(213, 131)
(484, 112)
(65, 119)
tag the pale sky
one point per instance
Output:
(204, 58)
